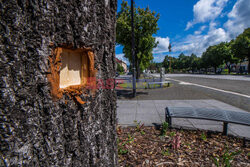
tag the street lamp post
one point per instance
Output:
(170, 49)
(133, 47)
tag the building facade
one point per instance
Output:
(123, 64)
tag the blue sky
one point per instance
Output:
(193, 25)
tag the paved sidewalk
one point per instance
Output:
(152, 112)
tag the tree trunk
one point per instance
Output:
(138, 73)
(137, 68)
(215, 70)
(229, 69)
(248, 65)
(73, 129)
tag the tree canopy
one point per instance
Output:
(212, 57)
(225, 52)
(166, 61)
(241, 46)
(145, 25)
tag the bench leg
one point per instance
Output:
(244, 143)
(168, 118)
(169, 121)
(225, 127)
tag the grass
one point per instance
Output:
(141, 85)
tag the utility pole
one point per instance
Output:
(169, 48)
(133, 47)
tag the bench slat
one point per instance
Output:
(242, 118)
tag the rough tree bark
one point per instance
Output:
(35, 130)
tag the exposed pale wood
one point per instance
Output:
(70, 73)
(85, 68)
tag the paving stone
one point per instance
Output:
(150, 112)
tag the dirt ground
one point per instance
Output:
(157, 146)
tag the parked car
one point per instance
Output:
(117, 74)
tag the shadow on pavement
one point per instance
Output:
(127, 94)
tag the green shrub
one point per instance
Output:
(203, 136)
(225, 159)
(164, 128)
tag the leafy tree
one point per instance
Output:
(152, 66)
(241, 46)
(166, 62)
(212, 58)
(174, 63)
(120, 69)
(205, 61)
(183, 61)
(193, 60)
(186, 62)
(225, 51)
(170, 58)
(199, 63)
(145, 23)
(155, 66)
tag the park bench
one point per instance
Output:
(225, 116)
(160, 83)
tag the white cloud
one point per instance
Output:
(238, 18)
(212, 25)
(189, 25)
(159, 58)
(162, 47)
(121, 57)
(206, 10)
(202, 28)
(198, 43)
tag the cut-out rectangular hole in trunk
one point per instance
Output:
(74, 69)
(71, 70)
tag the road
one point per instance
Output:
(233, 90)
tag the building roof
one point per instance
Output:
(119, 61)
